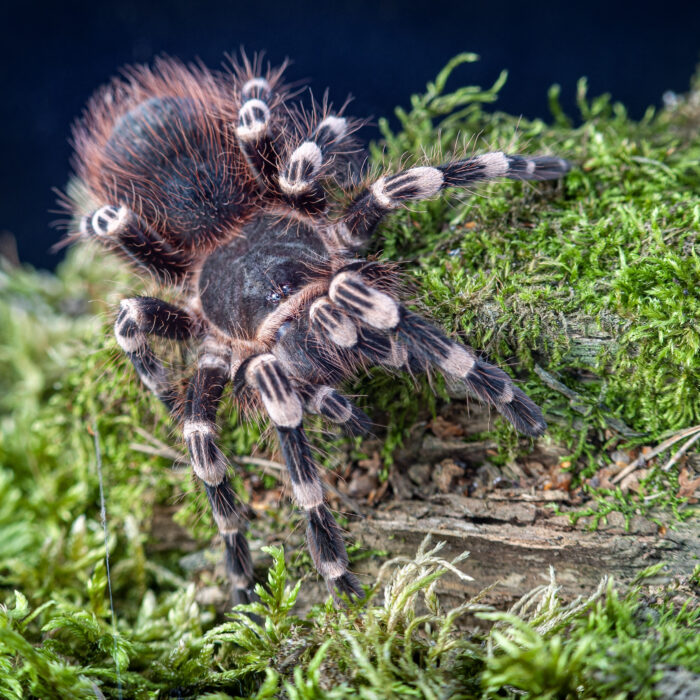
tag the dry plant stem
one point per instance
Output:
(642, 459)
(681, 451)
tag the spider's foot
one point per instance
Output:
(347, 585)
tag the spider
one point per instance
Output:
(217, 187)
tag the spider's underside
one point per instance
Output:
(211, 183)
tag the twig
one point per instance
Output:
(683, 449)
(167, 452)
(643, 458)
(258, 462)
(103, 518)
(162, 450)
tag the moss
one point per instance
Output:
(595, 279)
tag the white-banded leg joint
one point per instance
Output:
(256, 88)
(415, 183)
(493, 164)
(330, 131)
(302, 168)
(371, 306)
(253, 120)
(334, 322)
(105, 221)
(265, 374)
(459, 361)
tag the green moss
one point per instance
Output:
(609, 252)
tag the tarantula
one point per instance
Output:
(213, 184)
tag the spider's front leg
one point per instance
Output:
(359, 221)
(411, 339)
(140, 316)
(265, 375)
(209, 464)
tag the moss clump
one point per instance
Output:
(609, 252)
(605, 646)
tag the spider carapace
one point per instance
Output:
(218, 187)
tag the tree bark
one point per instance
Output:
(512, 544)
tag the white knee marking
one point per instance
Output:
(507, 395)
(135, 342)
(322, 394)
(106, 221)
(239, 581)
(196, 426)
(375, 308)
(495, 164)
(337, 125)
(253, 118)
(211, 361)
(426, 182)
(330, 569)
(398, 356)
(285, 410)
(531, 165)
(308, 494)
(292, 182)
(226, 524)
(458, 362)
(343, 332)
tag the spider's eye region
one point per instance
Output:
(276, 295)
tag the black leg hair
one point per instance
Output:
(209, 464)
(299, 179)
(391, 191)
(265, 375)
(123, 231)
(140, 316)
(254, 131)
(428, 345)
(327, 402)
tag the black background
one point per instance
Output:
(53, 55)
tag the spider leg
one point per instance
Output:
(325, 401)
(358, 222)
(299, 179)
(209, 464)
(330, 322)
(123, 231)
(427, 345)
(254, 130)
(265, 376)
(140, 316)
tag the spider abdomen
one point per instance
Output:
(164, 162)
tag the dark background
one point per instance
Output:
(53, 55)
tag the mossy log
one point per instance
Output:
(512, 544)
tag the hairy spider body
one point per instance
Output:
(213, 185)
